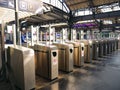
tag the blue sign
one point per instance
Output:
(4, 3)
(58, 35)
(23, 5)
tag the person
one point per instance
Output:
(23, 37)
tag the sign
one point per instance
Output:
(55, 61)
(4, 3)
(82, 53)
(35, 6)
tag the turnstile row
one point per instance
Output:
(49, 58)
(104, 47)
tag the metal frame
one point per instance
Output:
(98, 16)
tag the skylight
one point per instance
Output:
(107, 22)
(82, 13)
(57, 3)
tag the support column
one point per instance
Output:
(3, 70)
(18, 33)
(70, 24)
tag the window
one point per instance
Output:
(107, 22)
(58, 4)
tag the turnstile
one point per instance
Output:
(46, 61)
(117, 43)
(22, 66)
(114, 45)
(78, 53)
(104, 47)
(109, 46)
(95, 44)
(65, 59)
(100, 48)
(0, 60)
(87, 50)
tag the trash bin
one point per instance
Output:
(46, 61)
(65, 59)
(95, 49)
(22, 67)
(78, 53)
(87, 50)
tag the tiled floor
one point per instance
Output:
(102, 74)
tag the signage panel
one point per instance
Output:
(23, 5)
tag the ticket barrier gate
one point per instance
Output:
(46, 61)
(109, 46)
(65, 59)
(22, 66)
(104, 47)
(78, 53)
(87, 50)
(100, 48)
(117, 43)
(95, 49)
(112, 45)
(0, 60)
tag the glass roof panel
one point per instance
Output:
(84, 12)
(58, 4)
(107, 21)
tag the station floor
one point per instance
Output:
(101, 74)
